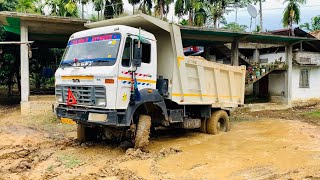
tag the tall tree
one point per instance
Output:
(6, 5)
(117, 7)
(216, 10)
(64, 8)
(133, 3)
(98, 6)
(83, 3)
(113, 8)
(161, 7)
(291, 13)
(146, 6)
(179, 8)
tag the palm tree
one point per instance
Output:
(83, 3)
(98, 6)
(145, 6)
(117, 7)
(183, 7)
(133, 3)
(291, 13)
(179, 8)
(162, 7)
(216, 10)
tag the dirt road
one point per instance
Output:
(38, 147)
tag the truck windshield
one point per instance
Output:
(100, 50)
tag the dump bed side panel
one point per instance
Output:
(205, 82)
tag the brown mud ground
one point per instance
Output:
(260, 145)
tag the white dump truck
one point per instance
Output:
(120, 81)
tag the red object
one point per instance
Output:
(75, 60)
(195, 48)
(71, 99)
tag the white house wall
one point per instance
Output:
(313, 92)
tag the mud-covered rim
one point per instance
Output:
(221, 125)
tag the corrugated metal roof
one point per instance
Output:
(41, 27)
(229, 36)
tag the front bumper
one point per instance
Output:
(81, 115)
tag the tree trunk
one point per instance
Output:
(132, 9)
(261, 19)
(161, 9)
(215, 20)
(190, 18)
(82, 10)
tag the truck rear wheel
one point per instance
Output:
(218, 122)
(85, 133)
(143, 132)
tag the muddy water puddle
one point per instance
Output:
(251, 150)
(262, 149)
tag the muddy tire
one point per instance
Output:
(85, 133)
(203, 127)
(218, 122)
(143, 132)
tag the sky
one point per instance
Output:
(272, 13)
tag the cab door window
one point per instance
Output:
(126, 56)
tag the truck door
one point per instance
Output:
(145, 75)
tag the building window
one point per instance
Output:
(304, 78)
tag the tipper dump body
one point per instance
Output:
(192, 80)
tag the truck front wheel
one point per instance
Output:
(218, 122)
(143, 132)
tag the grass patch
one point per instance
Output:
(69, 161)
(49, 123)
(314, 114)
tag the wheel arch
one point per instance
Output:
(151, 103)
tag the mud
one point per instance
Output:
(38, 148)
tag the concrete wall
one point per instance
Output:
(314, 57)
(313, 92)
(273, 56)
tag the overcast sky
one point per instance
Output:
(272, 13)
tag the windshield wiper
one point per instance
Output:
(63, 65)
(97, 62)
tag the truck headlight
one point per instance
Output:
(58, 93)
(100, 102)
(59, 98)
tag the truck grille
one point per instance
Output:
(85, 95)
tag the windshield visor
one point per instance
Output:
(101, 50)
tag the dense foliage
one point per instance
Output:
(313, 26)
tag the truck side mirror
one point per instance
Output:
(137, 55)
